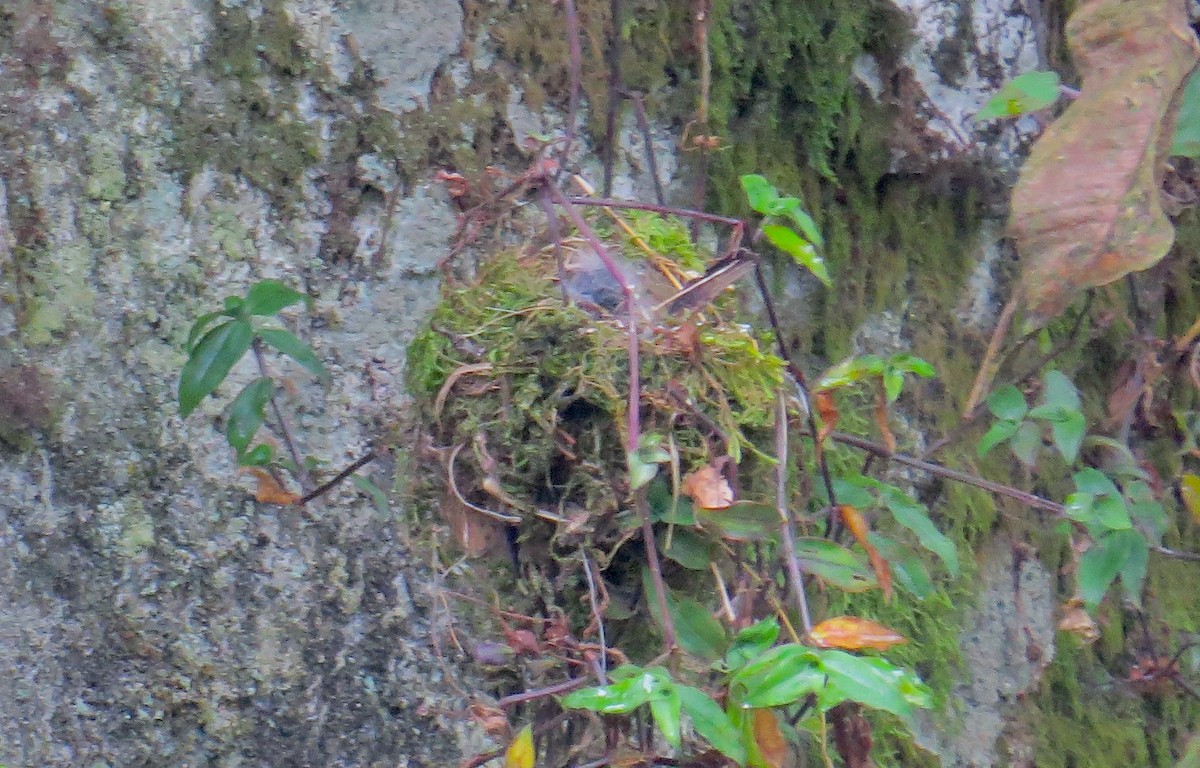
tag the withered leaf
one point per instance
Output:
(853, 634)
(772, 747)
(269, 490)
(858, 526)
(708, 488)
(1086, 210)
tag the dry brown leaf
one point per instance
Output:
(1086, 210)
(853, 634)
(269, 490)
(851, 734)
(859, 527)
(882, 418)
(827, 410)
(772, 747)
(708, 488)
(1077, 621)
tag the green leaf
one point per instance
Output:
(688, 548)
(1023, 94)
(1095, 482)
(907, 569)
(751, 642)
(1187, 124)
(799, 249)
(1079, 508)
(781, 676)
(1110, 512)
(712, 724)
(1026, 443)
(806, 225)
(267, 297)
(1067, 433)
(742, 521)
(759, 192)
(915, 517)
(910, 363)
(246, 413)
(696, 630)
(286, 343)
(210, 361)
(643, 462)
(834, 564)
(1058, 390)
(893, 383)
(851, 370)
(199, 327)
(873, 682)
(620, 697)
(1133, 572)
(258, 456)
(853, 491)
(997, 434)
(665, 711)
(1007, 403)
(1103, 562)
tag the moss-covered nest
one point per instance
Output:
(522, 379)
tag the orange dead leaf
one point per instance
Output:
(828, 412)
(854, 634)
(858, 526)
(881, 418)
(521, 753)
(1087, 208)
(772, 747)
(1077, 621)
(269, 491)
(708, 488)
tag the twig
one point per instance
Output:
(636, 205)
(1176, 554)
(991, 362)
(565, 686)
(576, 72)
(660, 588)
(785, 516)
(284, 431)
(324, 488)
(596, 614)
(639, 110)
(614, 99)
(453, 483)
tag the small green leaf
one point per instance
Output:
(759, 192)
(640, 472)
(907, 569)
(1095, 482)
(665, 711)
(210, 361)
(781, 676)
(851, 370)
(799, 249)
(246, 413)
(258, 456)
(288, 344)
(997, 434)
(893, 383)
(910, 363)
(751, 642)
(1079, 508)
(873, 682)
(620, 697)
(1133, 572)
(1067, 433)
(1007, 403)
(1026, 443)
(688, 548)
(199, 327)
(1023, 94)
(1103, 562)
(806, 225)
(1187, 124)
(1111, 513)
(1058, 390)
(696, 630)
(915, 517)
(712, 724)
(834, 564)
(267, 297)
(743, 521)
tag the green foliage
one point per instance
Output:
(755, 674)
(1187, 123)
(801, 246)
(864, 367)
(213, 350)
(1023, 94)
(1058, 408)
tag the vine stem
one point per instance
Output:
(785, 515)
(285, 431)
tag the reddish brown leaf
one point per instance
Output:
(828, 412)
(1086, 210)
(858, 526)
(708, 488)
(1077, 621)
(854, 634)
(269, 491)
(881, 418)
(851, 735)
(768, 739)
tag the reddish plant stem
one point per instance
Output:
(565, 686)
(325, 487)
(285, 432)
(614, 95)
(576, 73)
(785, 515)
